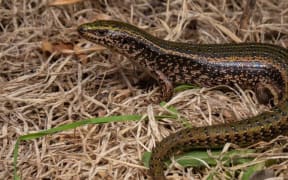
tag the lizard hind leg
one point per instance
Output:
(267, 94)
(166, 85)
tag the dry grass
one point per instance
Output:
(44, 85)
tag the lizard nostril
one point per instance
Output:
(80, 29)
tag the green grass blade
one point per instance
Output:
(252, 169)
(184, 87)
(67, 127)
(15, 157)
(197, 158)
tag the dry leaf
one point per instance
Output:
(57, 48)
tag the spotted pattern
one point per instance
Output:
(260, 67)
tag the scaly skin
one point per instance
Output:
(260, 67)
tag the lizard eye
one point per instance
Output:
(101, 32)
